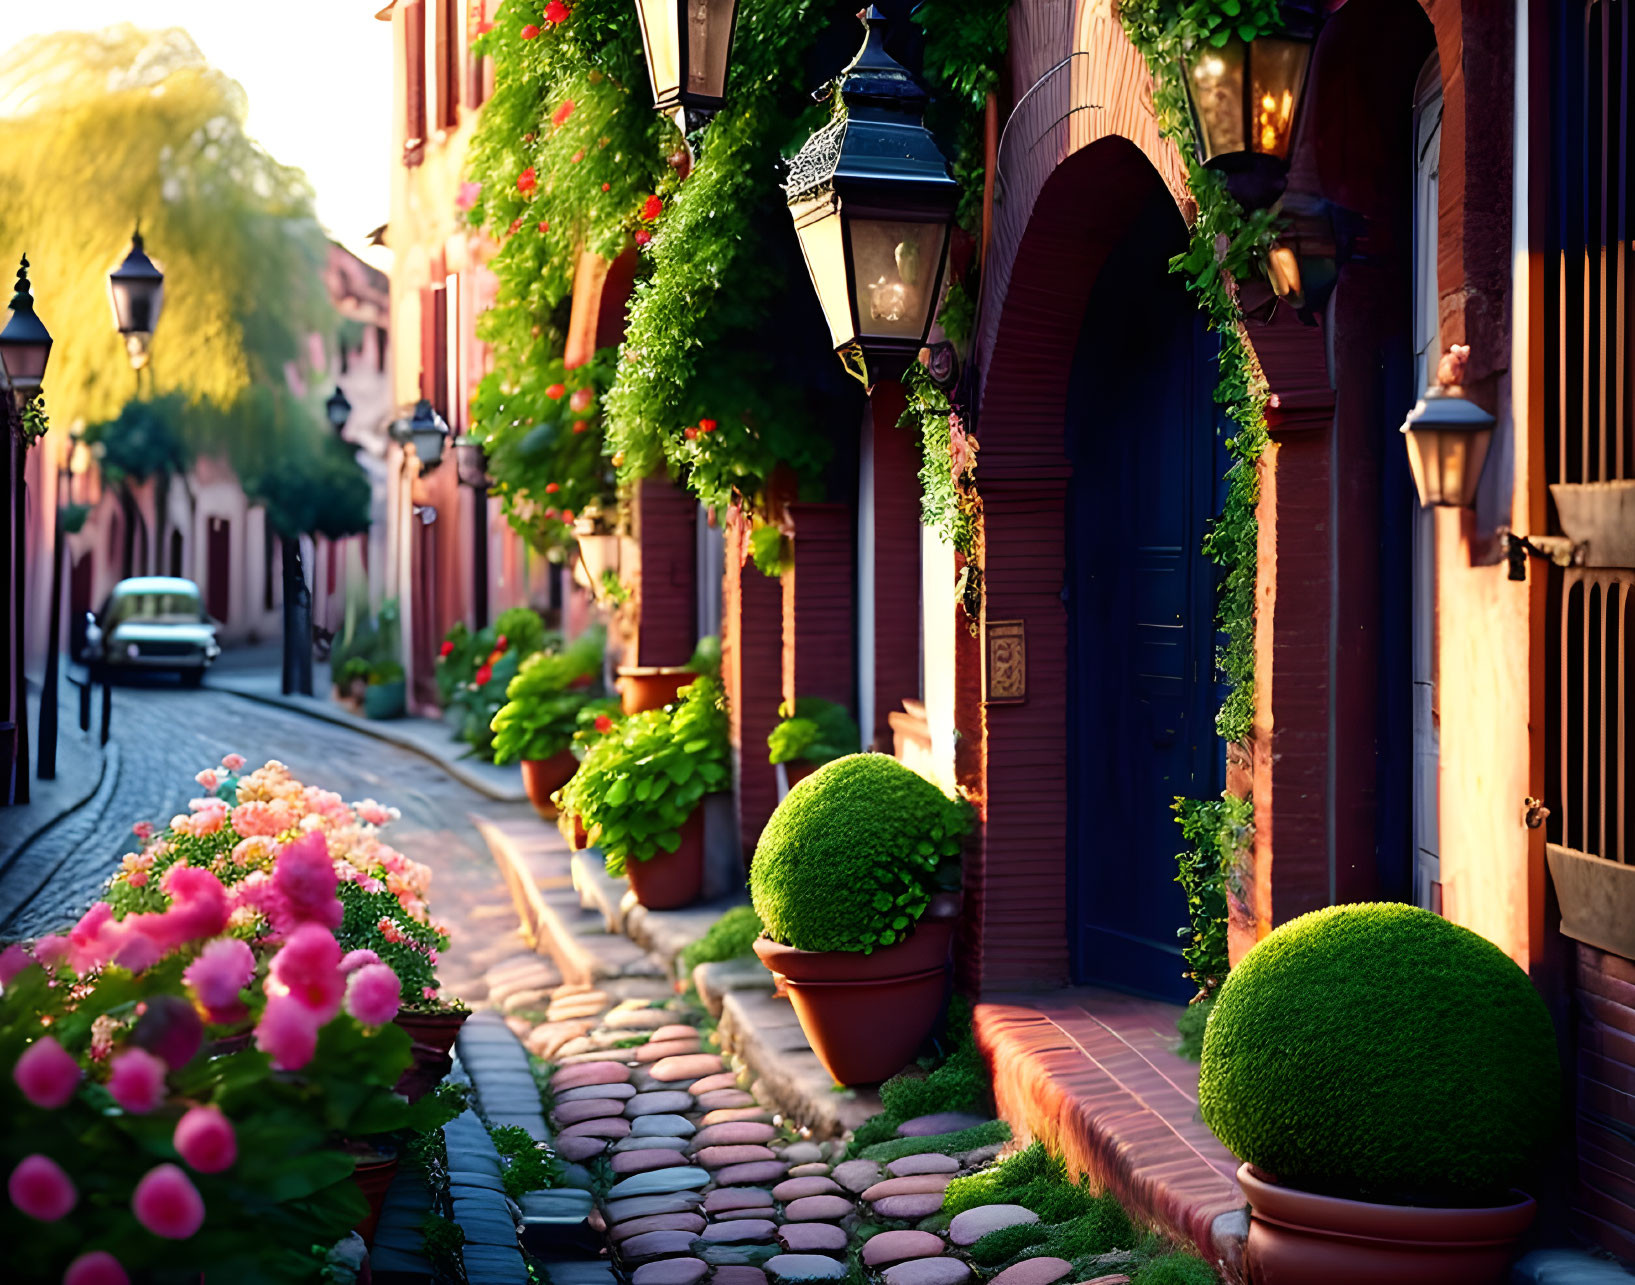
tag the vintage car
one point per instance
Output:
(153, 622)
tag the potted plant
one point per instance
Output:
(815, 732)
(473, 675)
(856, 878)
(638, 792)
(384, 696)
(541, 714)
(645, 687)
(1386, 1077)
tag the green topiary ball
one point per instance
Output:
(853, 854)
(1381, 1053)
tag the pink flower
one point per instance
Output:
(257, 818)
(428, 992)
(13, 960)
(205, 1139)
(304, 880)
(143, 830)
(210, 818)
(208, 778)
(373, 995)
(374, 813)
(93, 941)
(39, 1187)
(137, 878)
(137, 1081)
(96, 1268)
(46, 1073)
(288, 1033)
(167, 1203)
(222, 970)
(469, 192)
(356, 959)
(232, 762)
(199, 907)
(582, 400)
(308, 970)
(52, 950)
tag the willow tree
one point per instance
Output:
(102, 130)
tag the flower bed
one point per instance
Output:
(269, 920)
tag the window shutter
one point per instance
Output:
(414, 80)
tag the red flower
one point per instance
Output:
(643, 236)
(582, 400)
(604, 723)
(527, 181)
(447, 649)
(556, 12)
(501, 643)
(561, 114)
(652, 207)
(708, 425)
(607, 187)
(567, 516)
(578, 156)
(483, 28)
(690, 434)
(555, 391)
(515, 224)
(581, 426)
(544, 225)
(484, 673)
(530, 31)
(551, 488)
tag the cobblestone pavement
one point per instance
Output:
(163, 735)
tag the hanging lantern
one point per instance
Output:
(1448, 437)
(428, 433)
(338, 409)
(688, 44)
(25, 343)
(1245, 98)
(137, 288)
(873, 202)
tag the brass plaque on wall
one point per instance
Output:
(1004, 662)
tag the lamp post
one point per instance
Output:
(338, 410)
(471, 464)
(688, 44)
(25, 348)
(137, 289)
(1245, 97)
(873, 202)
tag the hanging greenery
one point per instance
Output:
(1226, 244)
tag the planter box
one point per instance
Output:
(384, 700)
(1601, 517)
(1597, 899)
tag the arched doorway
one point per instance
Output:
(1140, 434)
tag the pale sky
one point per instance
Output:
(318, 74)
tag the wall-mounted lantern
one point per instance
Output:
(873, 202)
(337, 409)
(688, 45)
(1245, 98)
(471, 462)
(137, 289)
(428, 433)
(1448, 437)
(25, 344)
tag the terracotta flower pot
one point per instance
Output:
(866, 1016)
(643, 687)
(542, 778)
(1297, 1237)
(433, 1035)
(436, 1030)
(672, 880)
(372, 1178)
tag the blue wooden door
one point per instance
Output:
(1147, 463)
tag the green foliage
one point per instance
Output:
(529, 1165)
(318, 490)
(949, 502)
(1190, 1026)
(442, 1239)
(853, 854)
(877, 1128)
(475, 673)
(103, 128)
(1034, 1178)
(370, 648)
(817, 732)
(965, 44)
(1217, 831)
(1380, 1052)
(637, 785)
(409, 946)
(1175, 1269)
(1005, 1244)
(990, 1134)
(730, 937)
(542, 703)
(144, 440)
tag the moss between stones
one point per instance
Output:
(990, 1134)
(853, 854)
(1381, 1052)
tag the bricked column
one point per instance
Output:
(819, 634)
(895, 508)
(752, 672)
(666, 581)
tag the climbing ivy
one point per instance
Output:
(1226, 244)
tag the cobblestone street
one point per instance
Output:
(164, 734)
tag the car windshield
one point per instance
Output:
(156, 609)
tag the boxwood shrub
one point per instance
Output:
(1381, 1053)
(853, 854)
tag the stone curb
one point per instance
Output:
(663, 934)
(108, 765)
(313, 708)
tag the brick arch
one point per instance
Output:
(1017, 888)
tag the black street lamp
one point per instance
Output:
(688, 44)
(338, 409)
(137, 289)
(873, 202)
(1245, 96)
(25, 347)
(427, 432)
